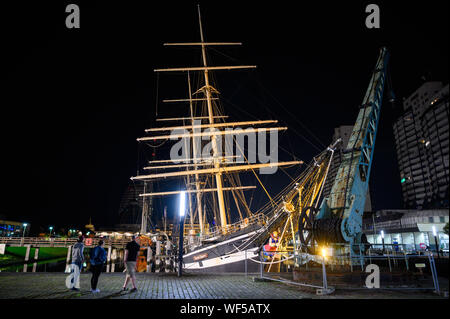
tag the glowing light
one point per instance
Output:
(324, 252)
(434, 231)
(182, 203)
(382, 234)
(403, 180)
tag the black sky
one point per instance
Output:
(74, 101)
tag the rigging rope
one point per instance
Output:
(291, 114)
(269, 263)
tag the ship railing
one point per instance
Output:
(260, 219)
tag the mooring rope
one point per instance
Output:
(274, 262)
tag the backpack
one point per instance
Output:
(94, 255)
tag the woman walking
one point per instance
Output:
(98, 258)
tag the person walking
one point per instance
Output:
(131, 253)
(98, 258)
(77, 262)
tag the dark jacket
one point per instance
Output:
(98, 256)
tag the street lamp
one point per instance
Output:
(324, 271)
(382, 239)
(24, 227)
(436, 241)
(50, 228)
(182, 212)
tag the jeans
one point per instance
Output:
(96, 271)
(76, 275)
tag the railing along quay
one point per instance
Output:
(60, 242)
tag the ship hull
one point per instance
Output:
(224, 257)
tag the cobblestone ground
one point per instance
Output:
(169, 286)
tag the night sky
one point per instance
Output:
(74, 101)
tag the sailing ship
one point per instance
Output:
(214, 243)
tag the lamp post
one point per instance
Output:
(24, 227)
(182, 213)
(436, 241)
(324, 271)
(51, 229)
(382, 239)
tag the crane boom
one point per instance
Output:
(340, 216)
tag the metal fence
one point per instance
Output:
(60, 242)
(340, 267)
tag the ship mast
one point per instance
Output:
(223, 217)
(215, 165)
(194, 148)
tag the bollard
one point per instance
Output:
(27, 255)
(36, 255)
(149, 258)
(108, 259)
(113, 258)
(121, 257)
(68, 258)
(157, 256)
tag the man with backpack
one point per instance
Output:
(77, 261)
(98, 258)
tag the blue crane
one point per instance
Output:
(339, 218)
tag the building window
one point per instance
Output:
(441, 219)
(430, 219)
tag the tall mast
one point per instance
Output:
(194, 148)
(223, 218)
(188, 187)
(144, 216)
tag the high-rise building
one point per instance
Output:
(10, 228)
(344, 132)
(421, 139)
